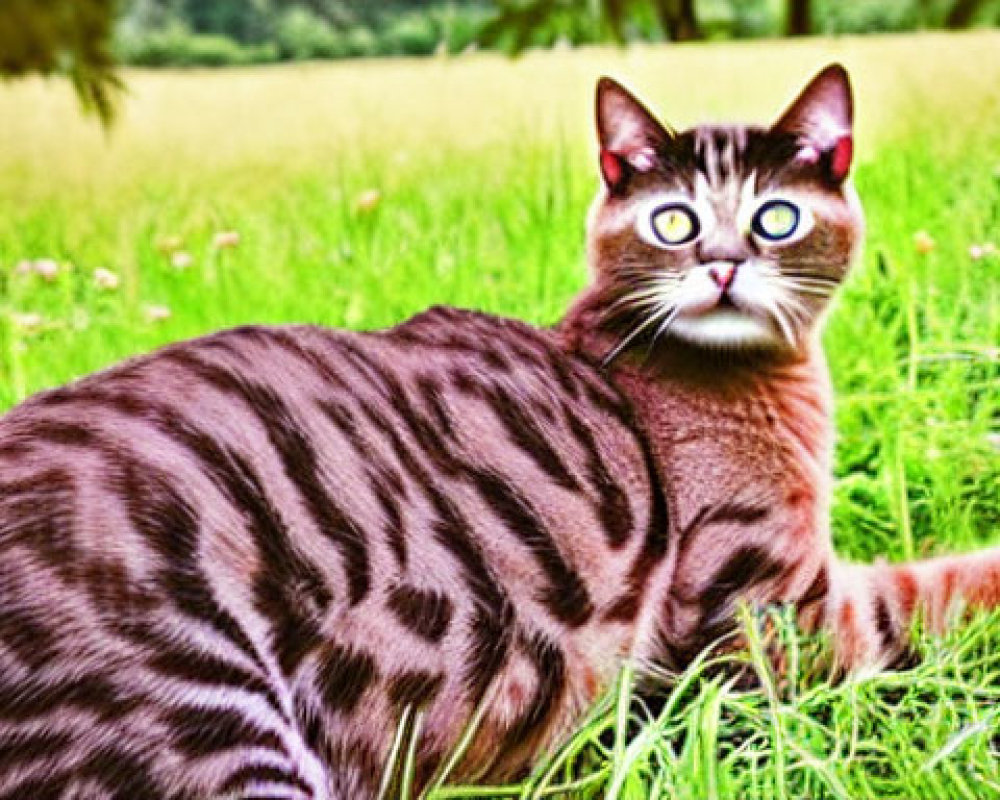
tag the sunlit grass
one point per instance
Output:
(356, 194)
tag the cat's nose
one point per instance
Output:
(723, 273)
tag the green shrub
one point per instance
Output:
(361, 42)
(300, 35)
(177, 47)
(458, 26)
(866, 16)
(409, 34)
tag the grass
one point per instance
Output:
(364, 192)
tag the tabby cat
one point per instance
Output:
(231, 568)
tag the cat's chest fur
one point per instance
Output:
(742, 452)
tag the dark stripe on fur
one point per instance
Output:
(883, 622)
(301, 465)
(24, 700)
(197, 667)
(417, 688)
(654, 546)
(343, 675)
(39, 513)
(612, 506)
(550, 668)
(199, 732)
(27, 747)
(239, 781)
(566, 597)
(524, 431)
(164, 518)
(424, 611)
(723, 513)
(24, 633)
(493, 614)
(746, 567)
(385, 482)
(817, 591)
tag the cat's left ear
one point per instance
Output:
(821, 118)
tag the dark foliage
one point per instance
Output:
(62, 36)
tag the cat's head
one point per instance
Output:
(729, 237)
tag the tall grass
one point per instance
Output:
(363, 192)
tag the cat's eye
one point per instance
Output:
(675, 224)
(776, 220)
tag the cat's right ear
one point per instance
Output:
(629, 135)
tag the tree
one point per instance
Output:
(962, 13)
(678, 18)
(798, 21)
(72, 36)
(519, 20)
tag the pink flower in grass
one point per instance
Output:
(225, 240)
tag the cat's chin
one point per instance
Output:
(725, 328)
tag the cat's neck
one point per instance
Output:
(679, 390)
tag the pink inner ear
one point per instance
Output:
(611, 168)
(840, 162)
(643, 159)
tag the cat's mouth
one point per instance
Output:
(726, 301)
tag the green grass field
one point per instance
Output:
(363, 192)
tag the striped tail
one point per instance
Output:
(870, 608)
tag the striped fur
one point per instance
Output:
(231, 569)
(229, 566)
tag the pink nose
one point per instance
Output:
(723, 274)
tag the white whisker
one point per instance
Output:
(670, 311)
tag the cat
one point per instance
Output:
(235, 567)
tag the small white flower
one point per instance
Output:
(105, 279)
(155, 313)
(26, 320)
(47, 268)
(181, 260)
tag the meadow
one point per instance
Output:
(358, 193)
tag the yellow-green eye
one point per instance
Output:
(776, 220)
(675, 224)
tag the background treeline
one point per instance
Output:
(219, 32)
(223, 32)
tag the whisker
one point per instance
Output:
(818, 291)
(665, 324)
(637, 301)
(617, 351)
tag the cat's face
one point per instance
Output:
(724, 236)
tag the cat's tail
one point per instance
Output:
(870, 607)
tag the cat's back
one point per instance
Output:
(228, 548)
